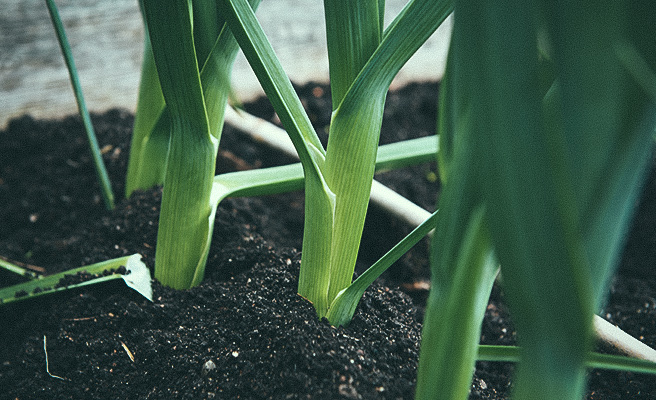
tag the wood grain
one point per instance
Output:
(106, 40)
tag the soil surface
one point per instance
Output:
(244, 332)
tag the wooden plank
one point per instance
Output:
(106, 40)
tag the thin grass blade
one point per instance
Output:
(15, 269)
(593, 360)
(101, 171)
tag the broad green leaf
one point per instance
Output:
(207, 23)
(463, 268)
(148, 149)
(545, 272)
(608, 126)
(460, 290)
(353, 32)
(149, 152)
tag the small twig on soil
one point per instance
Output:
(37, 269)
(125, 347)
(45, 350)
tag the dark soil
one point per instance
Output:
(244, 332)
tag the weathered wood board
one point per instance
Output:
(106, 39)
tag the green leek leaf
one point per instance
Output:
(344, 304)
(314, 277)
(101, 171)
(149, 144)
(191, 159)
(355, 128)
(135, 276)
(593, 360)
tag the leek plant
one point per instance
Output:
(364, 58)
(180, 116)
(182, 144)
(547, 123)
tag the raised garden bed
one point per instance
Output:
(243, 333)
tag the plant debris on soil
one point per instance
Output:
(244, 332)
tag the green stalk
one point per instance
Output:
(101, 171)
(150, 144)
(455, 309)
(407, 33)
(355, 127)
(463, 268)
(343, 306)
(186, 207)
(353, 33)
(190, 155)
(319, 203)
(151, 137)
